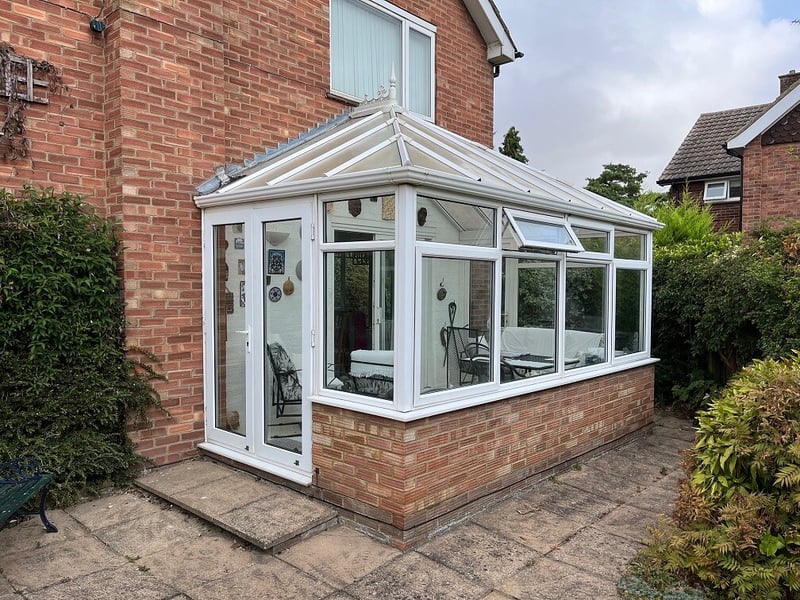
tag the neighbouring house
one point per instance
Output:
(742, 162)
(360, 299)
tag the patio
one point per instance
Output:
(567, 536)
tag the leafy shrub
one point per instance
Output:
(738, 516)
(683, 222)
(68, 384)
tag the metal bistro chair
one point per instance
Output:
(472, 357)
(286, 387)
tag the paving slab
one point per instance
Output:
(183, 475)
(273, 579)
(415, 577)
(152, 533)
(568, 501)
(120, 583)
(111, 510)
(262, 513)
(339, 556)
(629, 522)
(554, 580)
(29, 533)
(530, 525)
(65, 560)
(597, 552)
(479, 554)
(614, 486)
(200, 561)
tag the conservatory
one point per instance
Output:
(405, 321)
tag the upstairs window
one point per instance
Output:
(370, 41)
(716, 191)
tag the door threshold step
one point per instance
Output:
(267, 515)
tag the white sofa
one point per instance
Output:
(585, 346)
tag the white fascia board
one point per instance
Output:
(500, 48)
(766, 120)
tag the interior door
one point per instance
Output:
(259, 340)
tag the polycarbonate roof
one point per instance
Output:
(381, 143)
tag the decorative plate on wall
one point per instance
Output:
(275, 293)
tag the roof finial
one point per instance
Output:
(392, 86)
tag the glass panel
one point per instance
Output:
(592, 239)
(455, 346)
(629, 245)
(283, 304)
(230, 339)
(715, 191)
(359, 337)
(735, 188)
(374, 215)
(585, 335)
(530, 231)
(419, 72)
(454, 222)
(366, 45)
(528, 342)
(628, 336)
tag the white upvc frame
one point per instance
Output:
(710, 185)
(409, 404)
(557, 222)
(408, 22)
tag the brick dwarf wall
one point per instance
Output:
(405, 479)
(166, 93)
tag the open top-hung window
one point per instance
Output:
(371, 40)
(535, 231)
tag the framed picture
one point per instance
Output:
(241, 294)
(241, 266)
(276, 262)
(238, 243)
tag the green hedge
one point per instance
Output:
(69, 386)
(719, 303)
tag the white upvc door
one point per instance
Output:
(258, 306)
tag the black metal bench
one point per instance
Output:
(20, 481)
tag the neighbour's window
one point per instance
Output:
(716, 190)
(586, 306)
(630, 311)
(456, 323)
(369, 42)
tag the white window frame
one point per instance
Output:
(534, 244)
(714, 198)
(408, 22)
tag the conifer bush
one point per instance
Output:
(69, 386)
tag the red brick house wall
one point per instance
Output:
(406, 479)
(771, 174)
(166, 93)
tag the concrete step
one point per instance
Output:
(262, 513)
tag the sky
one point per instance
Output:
(623, 81)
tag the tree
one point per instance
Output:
(512, 146)
(618, 182)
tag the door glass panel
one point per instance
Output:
(230, 352)
(283, 332)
